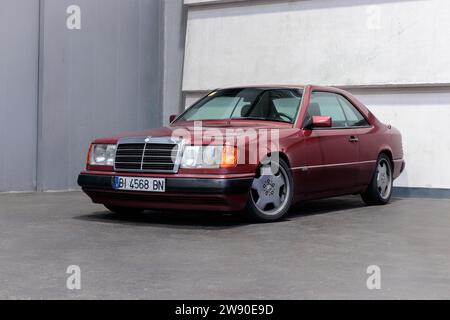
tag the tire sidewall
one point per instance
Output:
(373, 188)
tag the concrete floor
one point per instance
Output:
(321, 251)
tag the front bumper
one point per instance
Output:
(223, 194)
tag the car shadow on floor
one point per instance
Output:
(218, 220)
(171, 219)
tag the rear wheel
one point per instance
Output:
(123, 210)
(271, 192)
(379, 191)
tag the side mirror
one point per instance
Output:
(172, 118)
(321, 122)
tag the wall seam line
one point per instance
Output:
(39, 91)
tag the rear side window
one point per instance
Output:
(354, 117)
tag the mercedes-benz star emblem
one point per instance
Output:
(147, 140)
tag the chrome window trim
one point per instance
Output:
(343, 128)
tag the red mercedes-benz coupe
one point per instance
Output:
(255, 148)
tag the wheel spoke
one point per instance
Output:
(279, 182)
(382, 168)
(266, 171)
(262, 202)
(383, 184)
(276, 201)
(257, 184)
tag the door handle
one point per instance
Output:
(353, 139)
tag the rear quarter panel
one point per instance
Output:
(374, 141)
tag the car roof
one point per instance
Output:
(265, 87)
(301, 87)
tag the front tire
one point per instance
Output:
(379, 191)
(271, 193)
(123, 210)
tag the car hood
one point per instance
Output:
(209, 131)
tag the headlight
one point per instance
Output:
(102, 154)
(209, 157)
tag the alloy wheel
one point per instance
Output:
(384, 179)
(269, 190)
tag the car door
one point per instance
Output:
(332, 153)
(364, 133)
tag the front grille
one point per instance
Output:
(147, 157)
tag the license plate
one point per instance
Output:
(140, 184)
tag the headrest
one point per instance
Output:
(245, 109)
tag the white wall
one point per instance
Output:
(201, 2)
(397, 52)
(423, 118)
(335, 42)
(422, 115)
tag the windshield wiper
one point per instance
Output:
(258, 118)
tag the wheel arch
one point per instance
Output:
(281, 155)
(388, 152)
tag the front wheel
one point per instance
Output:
(271, 192)
(379, 191)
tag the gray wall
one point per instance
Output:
(18, 93)
(61, 88)
(97, 81)
(175, 15)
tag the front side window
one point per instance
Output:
(343, 114)
(247, 103)
(326, 104)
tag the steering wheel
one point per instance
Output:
(282, 114)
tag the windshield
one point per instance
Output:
(249, 103)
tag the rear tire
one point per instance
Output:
(271, 193)
(123, 210)
(379, 191)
